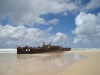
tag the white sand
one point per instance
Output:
(88, 66)
(67, 63)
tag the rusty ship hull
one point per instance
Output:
(40, 50)
(43, 49)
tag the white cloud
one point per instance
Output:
(84, 6)
(59, 39)
(20, 36)
(13, 36)
(29, 11)
(49, 28)
(93, 4)
(54, 21)
(87, 29)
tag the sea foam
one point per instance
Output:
(8, 50)
(73, 49)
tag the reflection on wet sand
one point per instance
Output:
(53, 56)
(45, 56)
(37, 64)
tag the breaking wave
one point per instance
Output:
(8, 50)
(73, 49)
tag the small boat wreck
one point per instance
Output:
(43, 49)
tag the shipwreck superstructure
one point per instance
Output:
(43, 49)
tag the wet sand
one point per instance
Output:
(88, 66)
(57, 63)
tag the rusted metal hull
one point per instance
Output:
(41, 50)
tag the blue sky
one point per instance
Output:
(69, 23)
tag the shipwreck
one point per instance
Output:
(44, 48)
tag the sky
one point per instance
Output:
(68, 23)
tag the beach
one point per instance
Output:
(88, 66)
(79, 62)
